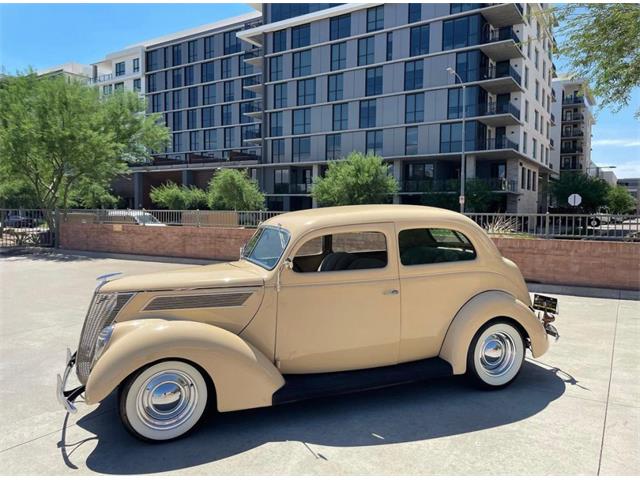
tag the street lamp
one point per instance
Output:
(463, 160)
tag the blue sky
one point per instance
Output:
(43, 35)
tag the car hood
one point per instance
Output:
(228, 274)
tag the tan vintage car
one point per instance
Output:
(320, 302)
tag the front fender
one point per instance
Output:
(479, 310)
(242, 375)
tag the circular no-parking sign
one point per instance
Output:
(575, 199)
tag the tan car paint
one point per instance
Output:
(320, 321)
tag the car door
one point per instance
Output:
(339, 308)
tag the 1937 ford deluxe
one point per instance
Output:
(320, 302)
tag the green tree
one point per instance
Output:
(620, 201)
(92, 195)
(601, 42)
(359, 179)
(15, 193)
(169, 196)
(594, 191)
(232, 189)
(58, 135)
(478, 195)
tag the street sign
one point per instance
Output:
(575, 199)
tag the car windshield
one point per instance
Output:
(266, 246)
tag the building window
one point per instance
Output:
(249, 132)
(375, 18)
(225, 68)
(208, 94)
(136, 65)
(334, 146)
(176, 55)
(536, 117)
(471, 66)
(462, 32)
(243, 67)
(210, 142)
(415, 12)
(338, 56)
(366, 51)
(177, 121)
(207, 117)
(340, 27)
(193, 97)
(194, 141)
(192, 51)
(374, 142)
(177, 77)
(523, 178)
(524, 142)
(301, 36)
(411, 141)
(156, 103)
(192, 119)
(177, 99)
(536, 57)
(413, 75)
(307, 91)
(389, 46)
(534, 148)
(367, 113)
(528, 179)
(207, 72)
(335, 91)
(534, 181)
(526, 77)
(246, 107)
(189, 77)
(450, 137)
(280, 95)
(340, 116)
(208, 47)
(419, 40)
(301, 149)
(275, 124)
(177, 142)
(537, 90)
(373, 81)
(227, 118)
(229, 137)
(229, 91)
(277, 151)
(275, 68)
(302, 63)
(279, 40)
(301, 121)
(526, 110)
(414, 108)
(153, 60)
(152, 82)
(231, 43)
(119, 69)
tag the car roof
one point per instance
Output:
(302, 220)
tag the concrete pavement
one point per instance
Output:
(577, 411)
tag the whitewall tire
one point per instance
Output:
(496, 355)
(163, 401)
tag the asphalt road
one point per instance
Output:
(577, 411)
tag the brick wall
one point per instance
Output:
(560, 262)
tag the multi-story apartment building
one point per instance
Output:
(120, 70)
(373, 77)
(573, 108)
(72, 70)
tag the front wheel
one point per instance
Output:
(495, 356)
(163, 401)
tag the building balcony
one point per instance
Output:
(292, 188)
(431, 185)
(501, 44)
(501, 114)
(254, 84)
(576, 132)
(498, 81)
(254, 58)
(479, 145)
(570, 117)
(572, 150)
(573, 100)
(503, 14)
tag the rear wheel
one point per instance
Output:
(496, 355)
(163, 401)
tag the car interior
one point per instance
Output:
(419, 246)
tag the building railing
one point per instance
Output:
(500, 35)
(576, 132)
(472, 145)
(102, 78)
(573, 100)
(431, 185)
(526, 225)
(493, 73)
(292, 188)
(572, 117)
(572, 149)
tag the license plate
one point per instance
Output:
(546, 304)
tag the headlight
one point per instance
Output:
(101, 343)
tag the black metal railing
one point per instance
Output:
(492, 73)
(576, 132)
(432, 185)
(571, 149)
(573, 100)
(500, 35)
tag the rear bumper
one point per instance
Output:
(67, 398)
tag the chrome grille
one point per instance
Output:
(102, 312)
(211, 300)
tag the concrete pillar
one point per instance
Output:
(397, 174)
(187, 178)
(471, 167)
(315, 173)
(138, 189)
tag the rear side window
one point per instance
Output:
(421, 246)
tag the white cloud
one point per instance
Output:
(616, 142)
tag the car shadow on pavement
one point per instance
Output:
(398, 414)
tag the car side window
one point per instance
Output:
(421, 246)
(342, 251)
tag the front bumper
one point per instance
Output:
(66, 398)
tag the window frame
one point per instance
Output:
(457, 233)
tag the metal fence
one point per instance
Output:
(27, 228)
(551, 225)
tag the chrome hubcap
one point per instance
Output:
(498, 354)
(167, 400)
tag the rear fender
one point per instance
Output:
(478, 311)
(242, 375)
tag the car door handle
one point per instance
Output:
(392, 292)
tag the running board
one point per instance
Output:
(304, 386)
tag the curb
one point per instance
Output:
(579, 291)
